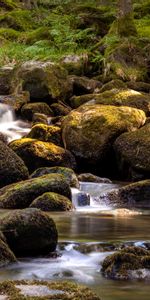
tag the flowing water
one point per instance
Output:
(86, 236)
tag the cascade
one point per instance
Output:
(10, 127)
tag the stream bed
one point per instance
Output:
(86, 236)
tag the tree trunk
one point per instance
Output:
(126, 26)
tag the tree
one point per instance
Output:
(125, 21)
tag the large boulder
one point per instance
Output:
(121, 264)
(69, 174)
(116, 97)
(133, 154)
(12, 167)
(46, 133)
(133, 195)
(43, 80)
(21, 195)
(90, 131)
(38, 154)
(84, 85)
(28, 110)
(29, 232)
(6, 255)
(52, 202)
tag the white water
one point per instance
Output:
(93, 191)
(11, 128)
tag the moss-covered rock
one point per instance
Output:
(46, 133)
(88, 177)
(21, 194)
(89, 132)
(59, 109)
(113, 84)
(75, 64)
(139, 86)
(28, 110)
(39, 118)
(12, 167)
(61, 290)
(69, 174)
(52, 202)
(133, 154)
(115, 97)
(134, 195)
(43, 80)
(120, 264)
(38, 154)
(29, 232)
(6, 255)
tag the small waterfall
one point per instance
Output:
(88, 197)
(10, 127)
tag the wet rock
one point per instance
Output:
(12, 167)
(120, 264)
(42, 289)
(3, 138)
(115, 97)
(88, 177)
(69, 174)
(46, 133)
(133, 154)
(38, 154)
(52, 202)
(139, 86)
(21, 195)
(83, 199)
(29, 232)
(28, 110)
(89, 132)
(44, 80)
(134, 195)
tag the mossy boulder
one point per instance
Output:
(89, 132)
(76, 64)
(29, 232)
(43, 80)
(15, 101)
(20, 195)
(12, 167)
(28, 110)
(60, 109)
(69, 174)
(46, 133)
(42, 290)
(115, 97)
(52, 202)
(6, 255)
(133, 154)
(133, 195)
(38, 154)
(121, 264)
(139, 86)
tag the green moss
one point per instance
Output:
(9, 34)
(19, 19)
(126, 26)
(52, 202)
(41, 33)
(46, 133)
(72, 291)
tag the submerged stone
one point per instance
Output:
(25, 289)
